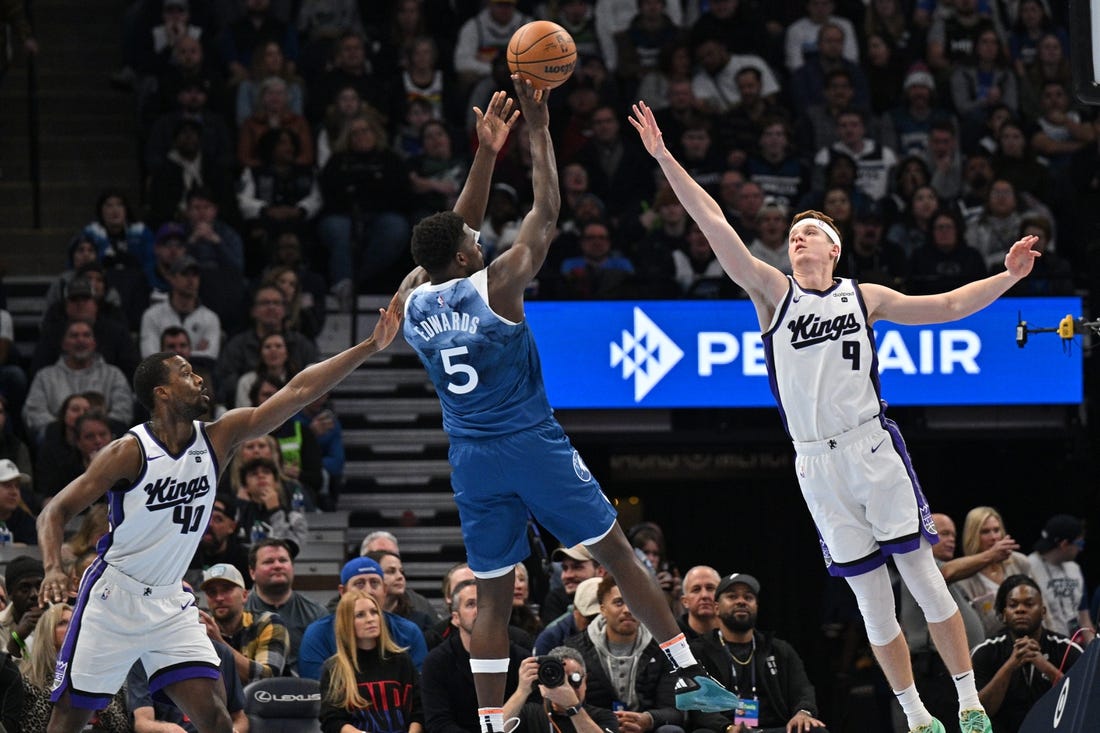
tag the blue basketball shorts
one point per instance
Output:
(498, 481)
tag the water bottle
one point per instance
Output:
(5, 535)
(257, 531)
(297, 500)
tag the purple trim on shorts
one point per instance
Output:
(925, 525)
(857, 567)
(183, 671)
(68, 646)
(86, 701)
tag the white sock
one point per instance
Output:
(968, 693)
(914, 709)
(492, 720)
(677, 651)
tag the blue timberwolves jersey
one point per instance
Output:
(485, 369)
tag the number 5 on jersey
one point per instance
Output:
(452, 368)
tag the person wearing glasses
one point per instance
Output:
(1054, 567)
(564, 708)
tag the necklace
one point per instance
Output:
(747, 659)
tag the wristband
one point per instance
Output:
(19, 642)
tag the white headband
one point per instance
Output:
(829, 231)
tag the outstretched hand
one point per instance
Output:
(496, 122)
(1021, 257)
(388, 323)
(646, 125)
(532, 101)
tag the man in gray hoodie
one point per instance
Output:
(627, 671)
(80, 369)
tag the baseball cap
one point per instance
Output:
(169, 231)
(1059, 527)
(919, 75)
(871, 212)
(359, 566)
(183, 264)
(585, 600)
(732, 579)
(222, 571)
(8, 471)
(576, 552)
(79, 287)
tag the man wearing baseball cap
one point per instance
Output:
(586, 606)
(1054, 567)
(765, 672)
(577, 564)
(259, 641)
(319, 641)
(13, 512)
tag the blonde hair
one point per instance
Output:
(38, 666)
(344, 690)
(92, 527)
(972, 528)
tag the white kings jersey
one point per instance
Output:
(822, 362)
(156, 523)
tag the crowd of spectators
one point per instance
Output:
(288, 146)
(1028, 619)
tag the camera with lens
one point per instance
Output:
(551, 672)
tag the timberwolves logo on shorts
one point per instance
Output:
(578, 466)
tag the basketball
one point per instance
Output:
(543, 53)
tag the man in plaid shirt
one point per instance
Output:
(259, 640)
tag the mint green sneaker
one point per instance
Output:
(975, 721)
(934, 727)
(697, 690)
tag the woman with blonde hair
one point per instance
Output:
(37, 669)
(370, 683)
(984, 532)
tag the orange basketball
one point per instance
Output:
(542, 52)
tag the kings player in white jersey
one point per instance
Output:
(160, 479)
(851, 461)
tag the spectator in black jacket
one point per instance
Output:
(627, 671)
(450, 702)
(758, 667)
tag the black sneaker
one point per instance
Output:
(697, 690)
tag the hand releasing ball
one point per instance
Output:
(543, 53)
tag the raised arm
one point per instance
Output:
(764, 283)
(120, 460)
(246, 423)
(493, 127)
(510, 273)
(884, 304)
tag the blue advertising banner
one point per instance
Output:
(645, 354)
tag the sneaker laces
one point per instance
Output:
(974, 720)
